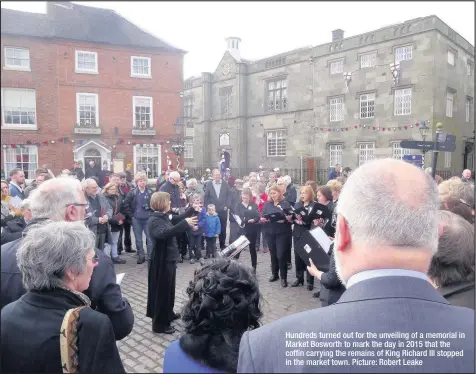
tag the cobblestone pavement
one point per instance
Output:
(143, 351)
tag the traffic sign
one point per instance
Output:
(451, 139)
(415, 144)
(447, 147)
(416, 160)
(441, 137)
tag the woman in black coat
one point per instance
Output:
(331, 286)
(110, 192)
(163, 229)
(250, 216)
(278, 234)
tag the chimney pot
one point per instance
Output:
(337, 35)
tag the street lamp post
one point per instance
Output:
(178, 147)
(424, 133)
(439, 127)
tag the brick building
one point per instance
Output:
(336, 102)
(83, 83)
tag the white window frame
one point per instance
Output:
(82, 70)
(450, 100)
(336, 109)
(366, 99)
(7, 66)
(188, 149)
(30, 172)
(336, 67)
(403, 53)
(159, 156)
(368, 146)
(189, 132)
(279, 136)
(398, 152)
(226, 139)
(447, 160)
(451, 58)
(16, 126)
(151, 101)
(138, 75)
(96, 97)
(368, 60)
(277, 94)
(468, 108)
(469, 68)
(399, 102)
(335, 154)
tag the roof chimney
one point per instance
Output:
(337, 35)
(233, 46)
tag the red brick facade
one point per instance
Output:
(56, 83)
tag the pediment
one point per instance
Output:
(226, 69)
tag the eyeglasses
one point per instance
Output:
(86, 205)
(95, 258)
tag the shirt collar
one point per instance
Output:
(368, 274)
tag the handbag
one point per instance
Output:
(69, 341)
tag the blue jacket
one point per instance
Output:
(213, 226)
(202, 223)
(15, 191)
(177, 361)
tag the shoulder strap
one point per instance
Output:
(69, 341)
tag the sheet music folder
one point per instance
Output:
(315, 245)
(275, 217)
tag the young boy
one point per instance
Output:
(195, 233)
(212, 230)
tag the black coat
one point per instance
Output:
(13, 230)
(129, 201)
(275, 228)
(78, 172)
(331, 286)
(224, 200)
(30, 335)
(163, 229)
(246, 214)
(174, 192)
(461, 294)
(290, 195)
(104, 292)
(92, 172)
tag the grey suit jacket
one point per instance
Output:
(394, 305)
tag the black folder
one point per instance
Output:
(308, 247)
(275, 217)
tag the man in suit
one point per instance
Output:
(217, 192)
(17, 179)
(386, 234)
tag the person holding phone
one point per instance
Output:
(278, 234)
(249, 214)
(303, 223)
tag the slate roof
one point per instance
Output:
(82, 23)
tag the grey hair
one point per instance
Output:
(191, 181)
(173, 175)
(379, 213)
(85, 183)
(50, 249)
(25, 204)
(50, 198)
(286, 180)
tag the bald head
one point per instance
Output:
(467, 174)
(390, 202)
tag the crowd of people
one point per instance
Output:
(400, 244)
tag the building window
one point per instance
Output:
(224, 140)
(398, 152)
(277, 95)
(447, 159)
(143, 114)
(189, 132)
(367, 106)
(188, 106)
(450, 97)
(226, 100)
(337, 67)
(276, 143)
(369, 60)
(403, 102)
(87, 110)
(17, 58)
(24, 157)
(469, 68)
(86, 62)
(468, 108)
(451, 58)
(188, 149)
(147, 160)
(335, 155)
(140, 67)
(366, 152)
(336, 109)
(403, 53)
(19, 107)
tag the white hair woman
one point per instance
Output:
(56, 260)
(192, 188)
